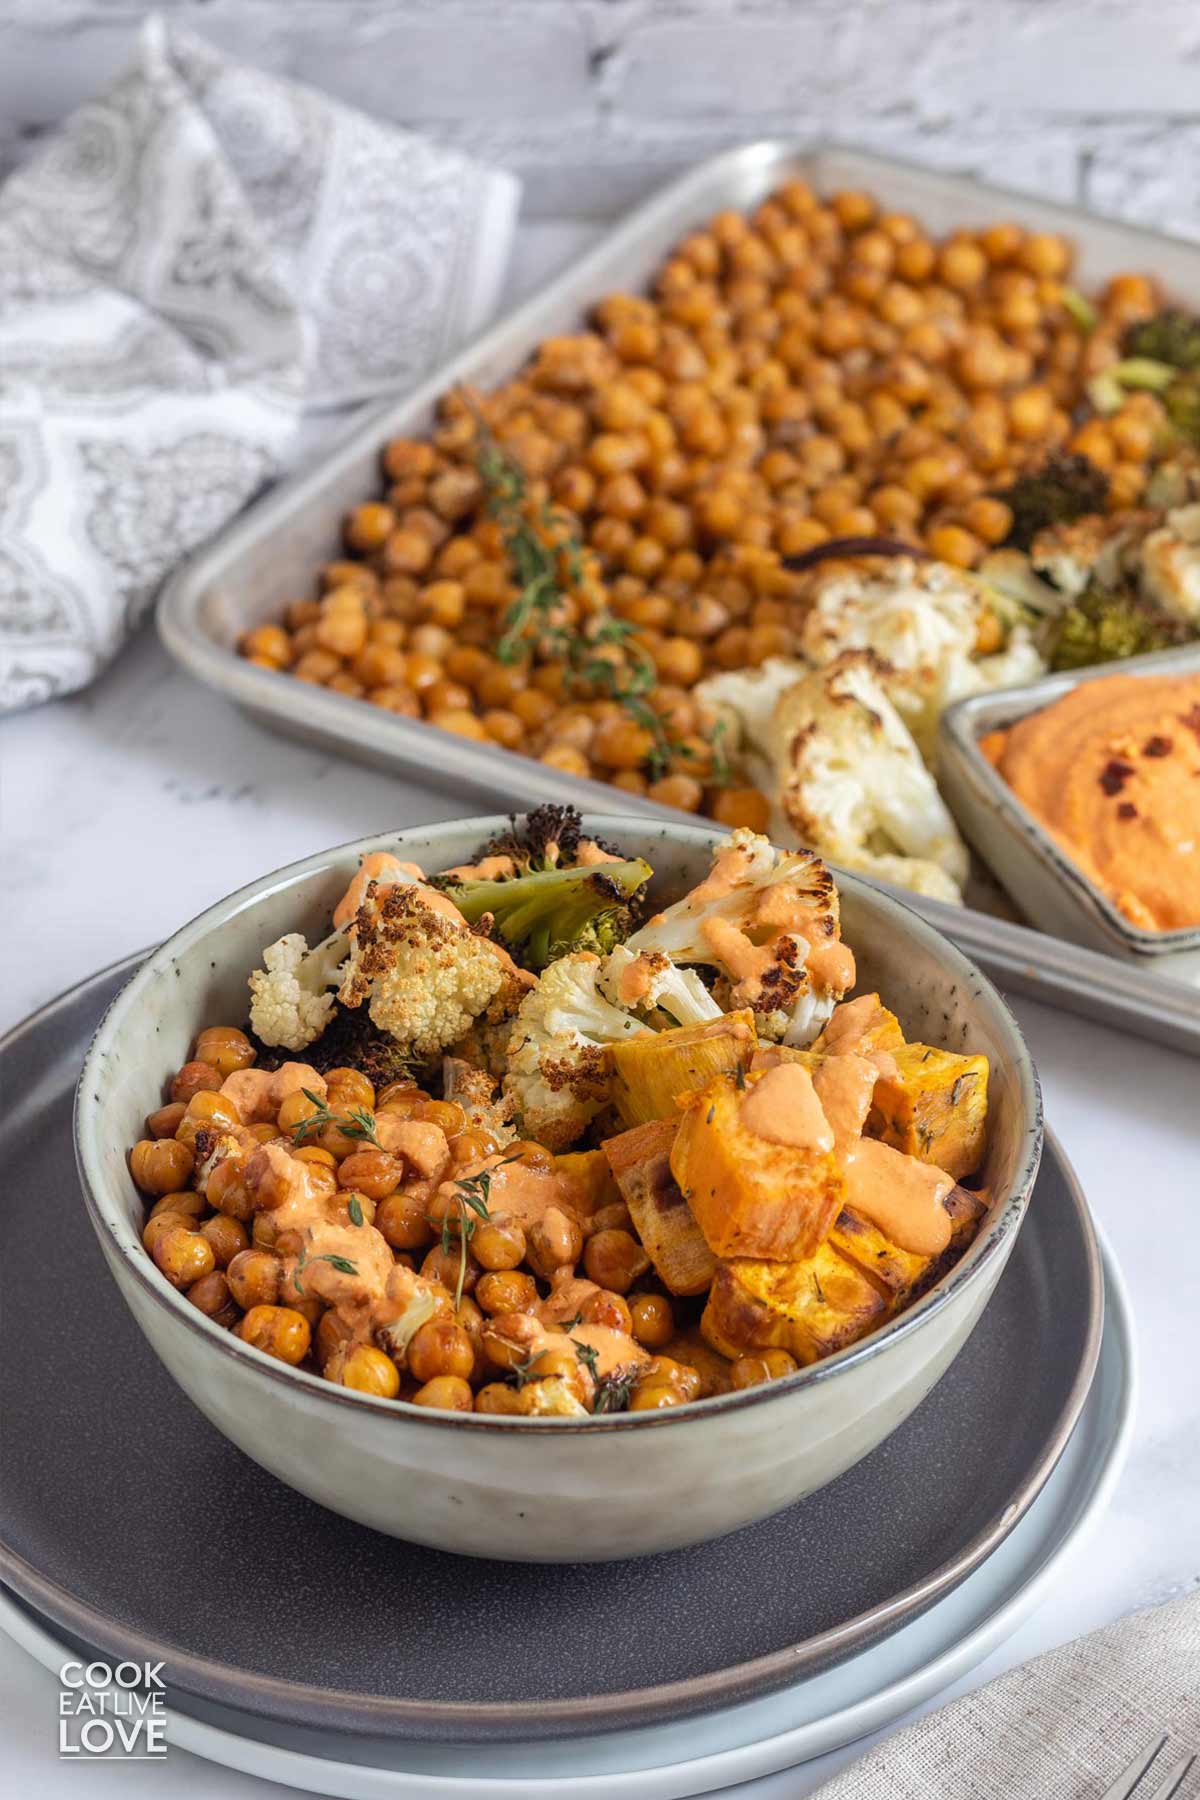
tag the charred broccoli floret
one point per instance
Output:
(549, 837)
(541, 916)
(1105, 625)
(1064, 488)
(1171, 336)
(1182, 401)
(349, 1041)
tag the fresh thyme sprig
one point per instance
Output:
(613, 1390)
(541, 545)
(471, 1193)
(341, 1263)
(357, 1123)
(722, 773)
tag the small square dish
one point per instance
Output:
(1033, 865)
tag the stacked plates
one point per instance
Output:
(303, 1648)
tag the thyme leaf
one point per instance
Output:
(358, 1123)
(613, 1390)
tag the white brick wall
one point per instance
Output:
(594, 101)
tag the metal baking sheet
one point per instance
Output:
(270, 553)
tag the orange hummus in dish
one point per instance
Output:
(1112, 771)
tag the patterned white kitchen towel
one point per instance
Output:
(199, 257)
(1061, 1727)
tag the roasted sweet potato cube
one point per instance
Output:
(675, 1244)
(588, 1180)
(896, 1273)
(653, 1068)
(809, 1308)
(966, 1211)
(860, 1026)
(751, 1195)
(934, 1107)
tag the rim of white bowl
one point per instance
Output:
(109, 1222)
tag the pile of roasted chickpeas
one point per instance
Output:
(224, 1256)
(819, 369)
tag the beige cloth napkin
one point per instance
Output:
(1059, 1728)
(198, 258)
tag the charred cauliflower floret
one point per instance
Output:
(925, 621)
(852, 781)
(767, 921)
(1100, 549)
(424, 976)
(291, 1001)
(559, 1069)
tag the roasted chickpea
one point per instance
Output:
(206, 1111)
(227, 1236)
(333, 1333)
(254, 1277)
(614, 1259)
(183, 1255)
(227, 1192)
(210, 1295)
(607, 1309)
(555, 1241)
(403, 1220)
(498, 1243)
(446, 1266)
(347, 1089)
(652, 1320)
(506, 1291)
(225, 1048)
(160, 1165)
(664, 1382)
(282, 1331)
(446, 1393)
(372, 1172)
(498, 1397)
(613, 1217)
(363, 1368)
(157, 1223)
(195, 1078)
(440, 1347)
(764, 1365)
(185, 1204)
(166, 1121)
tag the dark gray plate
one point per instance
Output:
(126, 1519)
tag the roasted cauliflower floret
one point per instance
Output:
(767, 920)
(291, 1000)
(474, 1089)
(925, 622)
(651, 983)
(559, 1069)
(1102, 548)
(852, 781)
(1169, 571)
(424, 976)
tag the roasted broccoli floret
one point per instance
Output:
(350, 1041)
(1177, 385)
(1182, 403)
(1103, 625)
(549, 837)
(541, 916)
(1171, 336)
(1065, 487)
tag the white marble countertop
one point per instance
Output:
(129, 808)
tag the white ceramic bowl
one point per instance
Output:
(543, 1490)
